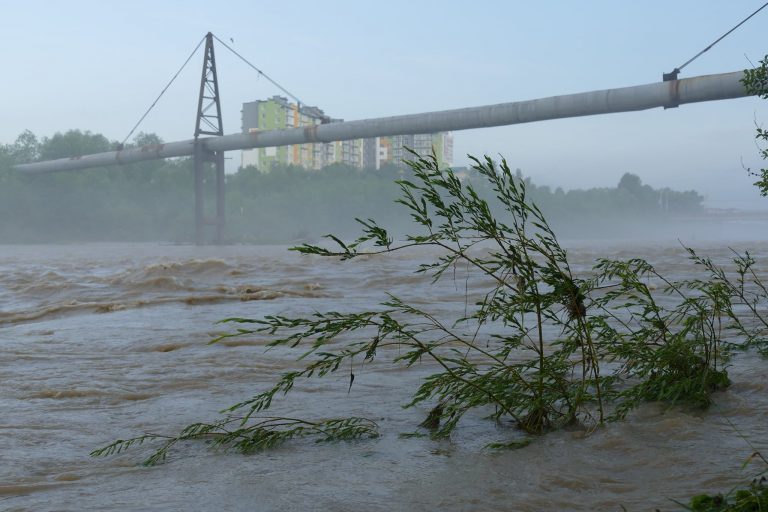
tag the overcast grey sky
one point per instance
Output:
(97, 65)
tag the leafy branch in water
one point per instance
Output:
(541, 347)
(673, 354)
(750, 498)
(248, 436)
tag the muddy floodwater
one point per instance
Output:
(101, 342)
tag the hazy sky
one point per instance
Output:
(97, 65)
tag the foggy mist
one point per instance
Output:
(327, 303)
(153, 201)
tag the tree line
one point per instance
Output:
(154, 200)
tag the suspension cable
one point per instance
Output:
(673, 74)
(122, 144)
(297, 100)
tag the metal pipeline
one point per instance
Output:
(627, 99)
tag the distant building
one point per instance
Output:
(277, 113)
(423, 145)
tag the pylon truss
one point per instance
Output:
(208, 104)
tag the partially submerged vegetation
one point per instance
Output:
(542, 348)
(753, 498)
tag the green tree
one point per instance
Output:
(26, 148)
(73, 143)
(146, 139)
(631, 183)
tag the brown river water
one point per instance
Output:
(101, 342)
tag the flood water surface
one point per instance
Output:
(110, 341)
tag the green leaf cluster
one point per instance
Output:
(247, 436)
(753, 498)
(755, 81)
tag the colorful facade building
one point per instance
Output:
(277, 113)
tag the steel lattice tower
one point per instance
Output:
(208, 124)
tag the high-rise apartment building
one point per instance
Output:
(277, 113)
(422, 144)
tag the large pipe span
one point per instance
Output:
(641, 97)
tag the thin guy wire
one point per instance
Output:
(163, 91)
(678, 69)
(298, 101)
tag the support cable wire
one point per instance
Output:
(673, 74)
(122, 144)
(297, 100)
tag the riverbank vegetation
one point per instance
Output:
(154, 201)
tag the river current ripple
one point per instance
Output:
(101, 342)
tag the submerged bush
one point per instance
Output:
(752, 499)
(542, 348)
(749, 498)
